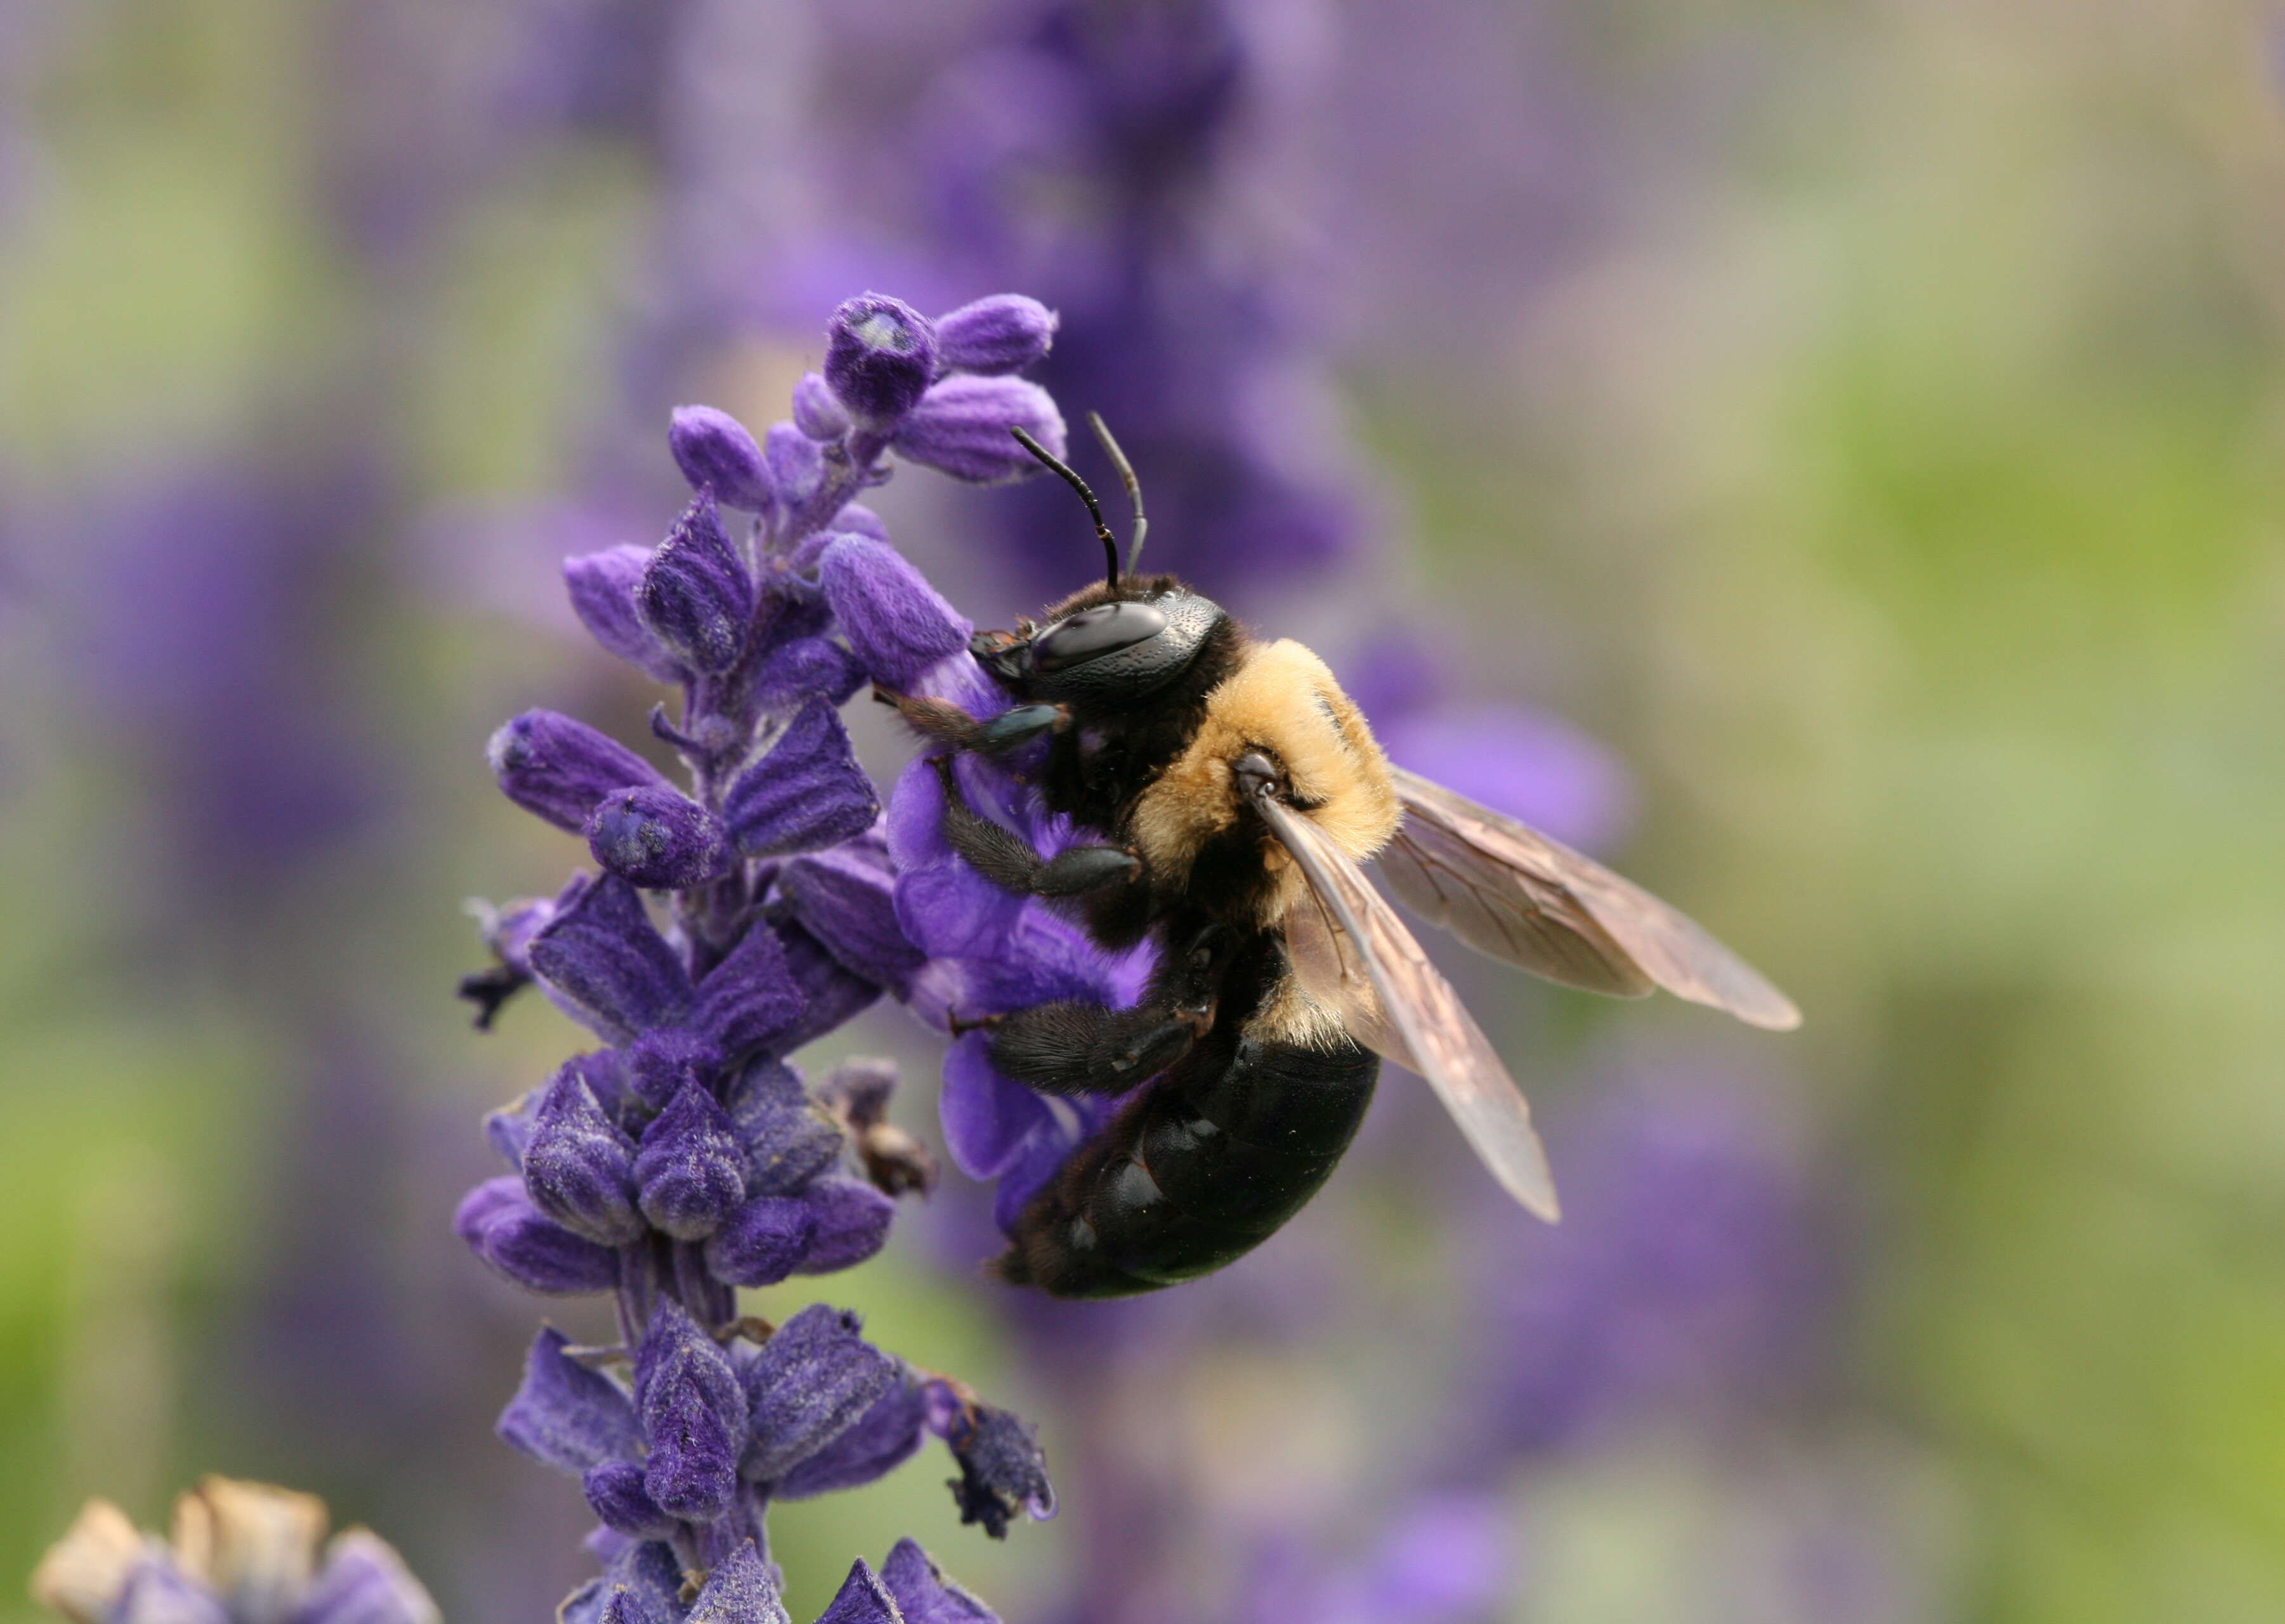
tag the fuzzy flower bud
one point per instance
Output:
(694, 1415)
(862, 1599)
(1003, 333)
(763, 1242)
(880, 354)
(897, 623)
(797, 465)
(603, 587)
(812, 1381)
(579, 1166)
(503, 1228)
(658, 839)
(714, 452)
(697, 596)
(690, 1171)
(806, 791)
(815, 411)
(962, 427)
(924, 1596)
(560, 769)
(616, 1493)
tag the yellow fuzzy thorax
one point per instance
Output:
(1284, 699)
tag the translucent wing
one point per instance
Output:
(1508, 891)
(1352, 954)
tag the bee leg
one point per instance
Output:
(1072, 1047)
(1007, 859)
(946, 723)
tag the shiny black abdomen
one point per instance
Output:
(1201, 1167)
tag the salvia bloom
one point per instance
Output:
(240, 1553)
(737, 916)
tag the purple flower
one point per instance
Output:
(716, 454)
(880, 354)
(1002, 1471)
(806, 793)
(658, 839)
(691, 1169)
(688, 1158)
(812, 1380)
(1006, 333)
(816, 412)
(502, 1226)
(897, 623)
(579, 1165)
(603, 586)
(696, 596)
(924, 1594)
(961, 427)
(560, 769)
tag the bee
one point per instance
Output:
(1231, 791)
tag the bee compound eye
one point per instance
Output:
(1092, 634)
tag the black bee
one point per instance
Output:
(1235, 788)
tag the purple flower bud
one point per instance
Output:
(751, 999)
(831, 996)
(762, 1241)
(742, 1590)
(895, 621)
(806, 668)
(787, 1141)
(846, 897)
(690, 1171)
(813, 1379)
(502, 1226)
(697, 596)
(853, 1223)
(658, 839)
(665, 1059)
(714, 452)
(880, 354)
(1003, 333)
(560, 769)
(815, 413)
(858, 520)
(158, 1592)
(565, 1415)
(643, 1585)
(882, 1440)
(694, 1415)
(508, 1129)
(607, 965)
(365, 1581)
(603, 587)
(616, 1493)
(806, 791)
(579, 1166)
(1003, 1470)
(924, 1594)
(960, 428)
(796, 464)
(862, 1599)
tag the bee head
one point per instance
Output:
(1114, 652)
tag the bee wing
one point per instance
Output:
(1352, 952)
(1510, 892)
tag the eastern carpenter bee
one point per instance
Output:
(1236, 789)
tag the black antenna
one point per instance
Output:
(1102, 530)
(1127, 476)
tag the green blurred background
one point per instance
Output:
(1893, 473)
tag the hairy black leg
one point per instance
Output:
(1007, 859)
(1073, 1047)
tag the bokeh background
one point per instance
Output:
(1823, 456)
